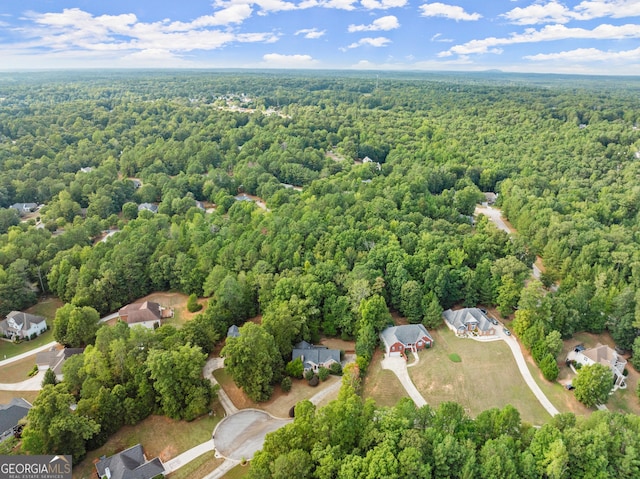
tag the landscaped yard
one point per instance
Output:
(18, 371)
(486, 377)
(280, 402)
(199, 467)
(177, 301)
(381, 384)
(160, 437)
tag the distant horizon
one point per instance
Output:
(582, 37)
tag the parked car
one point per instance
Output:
(493, 320)
(578, 348)
(569, 386)
(506, 331)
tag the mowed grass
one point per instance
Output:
(47, 309)
(160, 437)
(382, 385)
(18, 371)
(487, 377)
(238, 472)
(198, 468)
(7, 396)
(280, 402)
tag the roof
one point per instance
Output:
(233, 331)
(24, 206)
(405, 334)
(55, 358)
(19, 321)
(130, 464)
(462, 317)
(311, 354)
(141, 312)
(148, 206)
(11, 413)
(603, 354)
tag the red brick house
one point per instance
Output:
(410, 337)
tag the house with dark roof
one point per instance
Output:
(54, 359)
(10, 415)
(409, 337)
(147, 314)
(469, 321)
(129, 464)
(315, 357)
(24, 208)
(22, 325)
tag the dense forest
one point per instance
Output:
(338, 240)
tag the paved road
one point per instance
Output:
(398, 366)
(242, 434)
(495, 215)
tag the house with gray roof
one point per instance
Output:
(148, 207)
(54, 359)
(24, 208)
(469, 321)
(19, 325)
(10, 416)
(315, 357)
(129, 464)
(409, 337)
(603, 354)
(233, 331)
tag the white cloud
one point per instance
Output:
(382, 4)
(587, 55)
(74, 29)
(372, 42)
(452, 12)
(556, 12)
(277, 60)
(546, 34)
(311, 33)
(380, 24)
(437, 38)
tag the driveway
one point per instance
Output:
(31, 384)
(242, 434)
(495, 215)
(211, 365)
(398, 366)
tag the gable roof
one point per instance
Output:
(141, 312)
(462, 317)
(310, 354)
(603, 354)
(55, 358)
(148, 206)
(130, 464)
(233, 331)
(405, 334)
(19, 321)
(11, 413)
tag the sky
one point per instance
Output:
(544, 36)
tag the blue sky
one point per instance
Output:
(582, 36)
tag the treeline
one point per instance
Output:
(351, 438)
(128, 374)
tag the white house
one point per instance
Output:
(606, 356)
(22, 325)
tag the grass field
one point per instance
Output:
(18, 371)
(237, 472)
(199, 467)
(46, 308)
(486, 377)
(280, 402)
(382, 385)
(7, 396)
(160, 437)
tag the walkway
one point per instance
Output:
(188, 456)
(211, 365)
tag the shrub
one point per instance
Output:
(549, 367)
(295, 369)
(336, 369)
(314, 381)
(286, 384)
(455, 357)
(192, 304)
(33, 371)
(323, 374)
(309, 374)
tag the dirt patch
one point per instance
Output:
(349, 347)
(398, 320)
(168, 452)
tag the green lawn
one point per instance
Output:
(382, 385)
(237, 472)
(160, 437)
(487, 377)
(199, 467)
